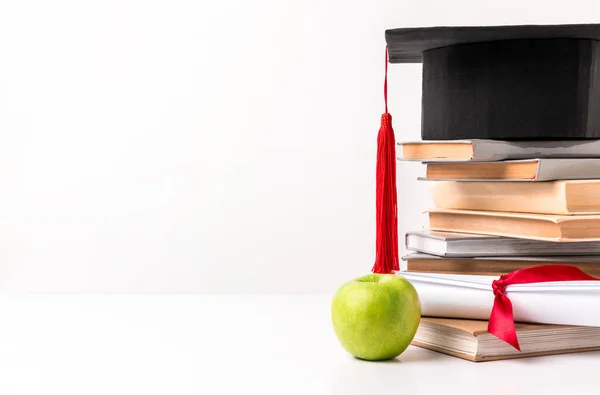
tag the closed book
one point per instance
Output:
(557, 228)
(470, 340)
(564, 197)
(538, 169)
(495, 150)
(472, 297)
(452, 244)
(495, 266)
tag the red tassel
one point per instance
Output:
(386, 257)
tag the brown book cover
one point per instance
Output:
(495, 266)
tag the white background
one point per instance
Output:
(208, 146)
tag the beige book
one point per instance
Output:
(519, 225)
(470, 340)
(564, 197)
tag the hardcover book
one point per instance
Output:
(470, 340)
(545, 169)
(561, 197)
(451, 244)
(495, 266)
(478, 150)
(557, 228)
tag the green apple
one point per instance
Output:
(376, 316)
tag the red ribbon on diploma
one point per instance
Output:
(501, 323)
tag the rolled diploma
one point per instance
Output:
(471, 297)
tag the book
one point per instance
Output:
(546, 169)
(495, 150)
(495, 266)
(563, 197)
(471, 297)
(557, 228)
(451, 244)
(470, 340)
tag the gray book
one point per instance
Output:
(449, 244)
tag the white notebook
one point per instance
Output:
(471, 297)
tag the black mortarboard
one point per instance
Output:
(527, 82)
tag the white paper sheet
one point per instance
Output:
(468, 296)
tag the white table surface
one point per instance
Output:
(177, 345)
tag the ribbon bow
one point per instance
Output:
(501, 323)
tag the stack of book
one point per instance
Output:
(502, 206)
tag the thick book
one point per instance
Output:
(457, 245)
(495, 266)
(563, 197)
(472, 297)
(538, 169)
(495, 150)
(470, 340)
(557, 228)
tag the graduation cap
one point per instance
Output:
(524, 82)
